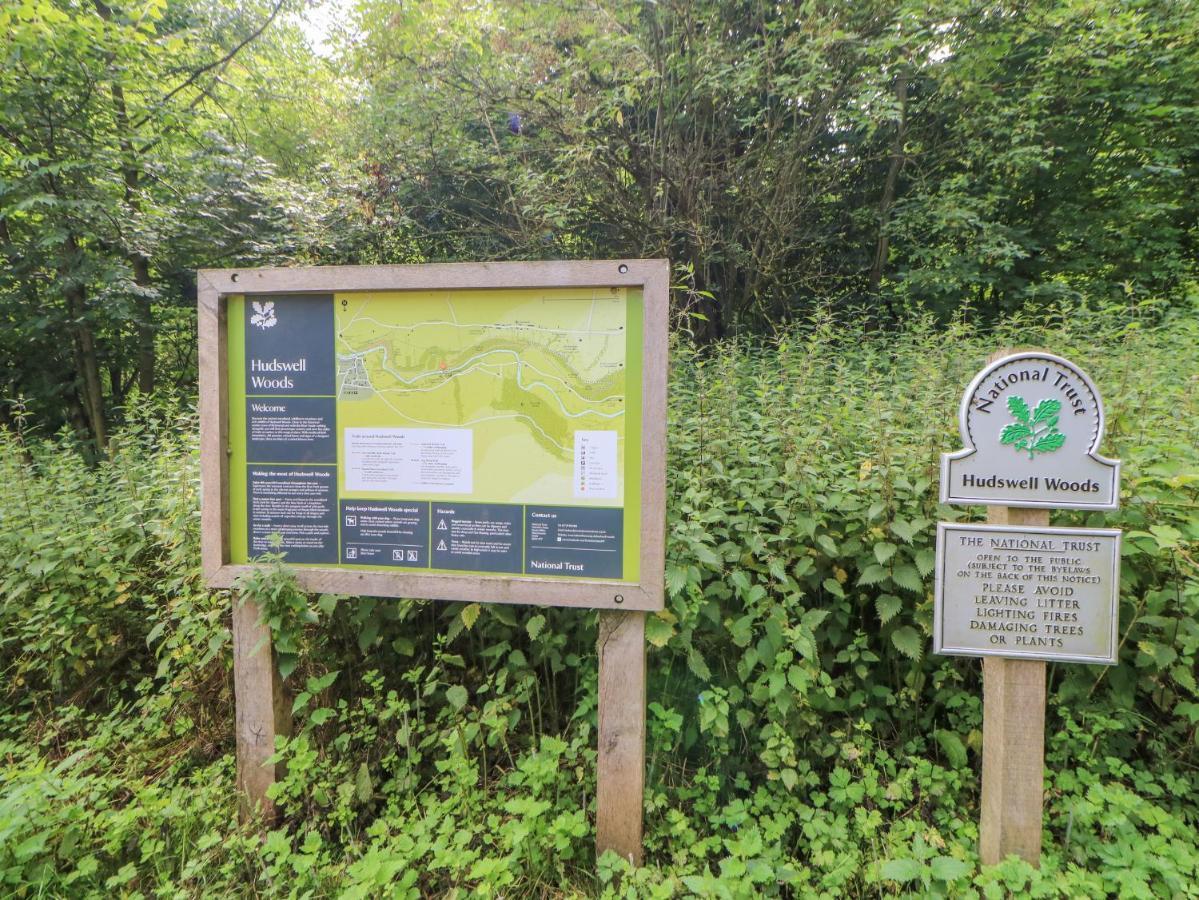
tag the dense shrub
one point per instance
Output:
(802, 740)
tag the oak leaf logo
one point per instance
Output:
(264, 314)
(1033, 432)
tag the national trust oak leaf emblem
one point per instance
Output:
(1036, 431)
(264, 314)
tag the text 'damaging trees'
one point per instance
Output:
(1015, 591)
(490, 432)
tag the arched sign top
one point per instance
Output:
(1031, 423)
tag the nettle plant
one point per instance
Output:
(801, 739)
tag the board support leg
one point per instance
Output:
(1013, 777)
(262, 713)
(620, 778)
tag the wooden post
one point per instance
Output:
(1013, 740)
(261, 709)
(620, 777)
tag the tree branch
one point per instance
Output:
(216, 63)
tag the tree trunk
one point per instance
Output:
(888, 198)
(86, 358)
(140, 265)
(145, 325)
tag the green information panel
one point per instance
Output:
(470, 432)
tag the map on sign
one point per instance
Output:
(539, 381)
(492, 432)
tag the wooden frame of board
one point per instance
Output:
(651, 276)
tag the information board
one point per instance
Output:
(490, 432)
(1023, 592)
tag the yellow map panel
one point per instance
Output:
(536, 376)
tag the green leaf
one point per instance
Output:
(908, 642)
(1166, 537)
(363, 789)
(326, 603)
(370, 631)
(696, 664)
(1018, 408)
(888, 607)
(953, 748)
(706, 554)
(470, 615)
(534, 626)
(883, 551)
(812, 618)
(926, 560)
(833, 586)
(949, 868)
(504, 614)
(908, 578)
(658, 631)
(741, 630)
(322, 683)
(287, 663)
(676, 579)
(901, 870)
(872, 574)
(457, 696)
(32, 845)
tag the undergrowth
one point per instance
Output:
(801, 739)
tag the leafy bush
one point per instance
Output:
(801, 739)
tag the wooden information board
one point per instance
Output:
(491, 432)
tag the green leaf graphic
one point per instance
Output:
(1047, 442)
(1013, 433)
(1034, 432)
(1046, 410)
(1018, 408)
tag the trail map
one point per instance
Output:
(526, 376)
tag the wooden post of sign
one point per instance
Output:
(620, 776)
(1013, 740)
(261, 709)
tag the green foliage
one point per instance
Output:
(802, 741)
(116, 180)
(99, 564)
(881, 156)
(944, 156)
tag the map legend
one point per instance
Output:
(596, 476)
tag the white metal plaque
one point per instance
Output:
(1031, 424)
(1027, 593)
